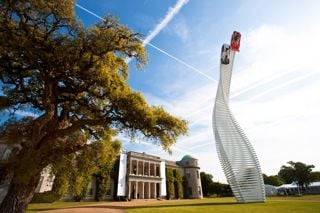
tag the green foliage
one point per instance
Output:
(273, 180)
(102, 185)
(61, 180)
(178, 184)
(296, 171)
(174, 184)
(76, 171)
(206, 183)
(209, 187)
(45, 197)
(170, 183)
(185, 187)
(75, 77)
(315, 176)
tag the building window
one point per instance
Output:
(188, 175)
(198, 174)
(146, 170)
(190, 190)
(135, 170)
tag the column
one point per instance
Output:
(130, 167)
(155, 190)
(142, 196)
(129, 193)
(149, 190)
(137, 167)
(160, 191)
(149, 169)
(155, 166)
(142, 168)
(136, 191)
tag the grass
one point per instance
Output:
(35, 207)
(305, 204)
(285, 204)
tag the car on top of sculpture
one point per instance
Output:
(235, 41)
(225, 54)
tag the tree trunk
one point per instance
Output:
(19, 194)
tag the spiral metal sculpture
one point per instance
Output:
(237, 156)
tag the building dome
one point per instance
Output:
(187, 157)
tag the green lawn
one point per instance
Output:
(290, 204)
(35, 207)
(305, 204)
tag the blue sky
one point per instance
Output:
(276, 78)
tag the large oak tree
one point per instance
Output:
(74, 79)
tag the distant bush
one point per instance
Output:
(45, 197)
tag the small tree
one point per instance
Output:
(296, 171)
(273, 180)
(206, 183)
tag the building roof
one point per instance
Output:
(294, 185)
(187, 157)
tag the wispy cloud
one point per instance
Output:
(181, 29)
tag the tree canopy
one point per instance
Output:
(298, 172)
(75, 171)
(273, 180)
(74, 79)
(209, 187)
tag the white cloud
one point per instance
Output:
(180, 28)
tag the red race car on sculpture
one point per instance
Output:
(235, 41)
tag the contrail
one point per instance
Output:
(165, 21)
(88, 11)
(184, 63)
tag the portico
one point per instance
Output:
(144, 178)
(144, 189)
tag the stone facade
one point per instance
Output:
(144, 178)
(191, 171)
